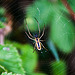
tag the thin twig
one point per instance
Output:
(1, 36)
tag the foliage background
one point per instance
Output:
(16, 49)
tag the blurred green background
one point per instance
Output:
(16, 54)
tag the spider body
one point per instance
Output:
(36, 38)
(38, 43)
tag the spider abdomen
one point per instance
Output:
(38, 43)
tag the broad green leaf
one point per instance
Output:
(15, 44)
(62, 7)
(27, 56)
(29, 59)
(58, 68)
(41, 11)
(2, 25)
(10, 59)
(5, 73)
(62, 32)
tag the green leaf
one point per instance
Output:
(2, 11)
(3, 19)
(62, 8)
(2, 15)
(5, 73)
(2, 25)
(10, 59)
(58, 68)
(62, 32)
(72, 4)
(41, 11)
(29, 58)
(15, 44)
(38, 74)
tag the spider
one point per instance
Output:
(36, 38)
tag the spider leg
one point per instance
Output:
(44, 47)
(29, 36)
(42, 40)
(38, 26)
(34, 43)
(34, 48)
(28, 30)
(42, 32)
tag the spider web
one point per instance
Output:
(64, 24)
(59, 36)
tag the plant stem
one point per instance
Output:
(53, 49)
(2, 36)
